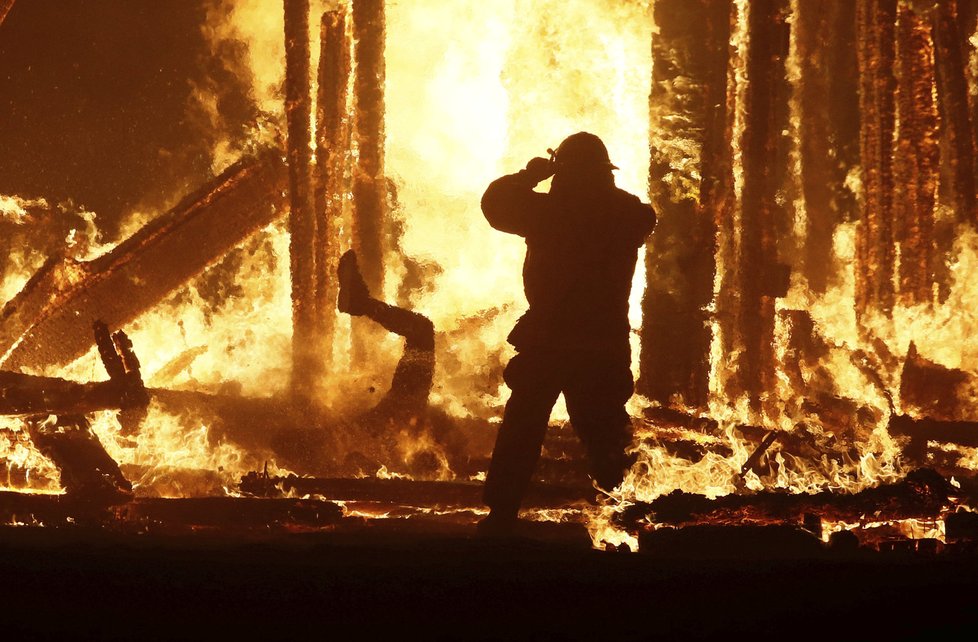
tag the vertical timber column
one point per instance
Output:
(688, 105)
(766, 112)
(874, 243)
(369, 184)
(952, 93)
(829, 121)
(917, 157)
(302, 218)
(332, 148)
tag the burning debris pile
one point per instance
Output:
(805, 311)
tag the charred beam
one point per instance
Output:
(173, 515)
(87, 470)
(369, 182)
(306, 365)
(874, 245)
(688, 104)
(402, 491)
(829, 120)
(47, 323)
(332, 146)
(26, 395)
(962, 433)
(766, 119)
(923, 493)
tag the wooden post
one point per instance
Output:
(688, 103)
(306, 364)
(829, 120)
(916, 162)
(874, 244)
(369, 183)
(766, 114)
(332, 147)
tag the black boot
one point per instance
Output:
(353, 295)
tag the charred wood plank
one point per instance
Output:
(923, 493)
(766, 115)
(688, 103)
(87, 470)
(369, 182)
(171, 515)
(962, 433)
(829, 125)
(47, 323)
(26, 395)
(405, 492)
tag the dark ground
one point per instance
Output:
(430, 582)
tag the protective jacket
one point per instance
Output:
(580, 260)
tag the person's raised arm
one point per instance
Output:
(510, 204)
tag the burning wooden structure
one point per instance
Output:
(813, 168)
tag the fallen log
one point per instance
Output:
(923, 494)
(962, 433)
(26, 395)
(405, 492)
(47, 323)
(87, 470)
(170, 515)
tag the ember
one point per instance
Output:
(251, 203)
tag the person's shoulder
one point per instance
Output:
(627, 202)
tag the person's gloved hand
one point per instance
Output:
(539, 169)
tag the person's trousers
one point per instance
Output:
(596, 387)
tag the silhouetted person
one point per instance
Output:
(581, 244)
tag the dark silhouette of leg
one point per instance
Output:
(535, 388)
(596, 390)
(415, 370)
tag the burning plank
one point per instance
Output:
(87, 470)
(405, 492)
(46, 324)
(173, 515)
(922, 494)
(26, 395)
